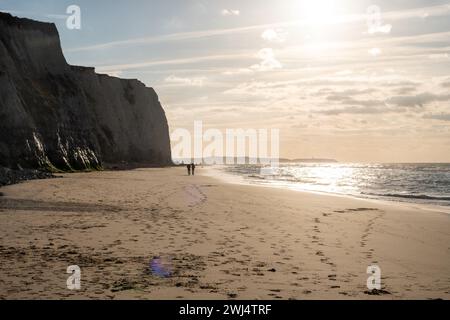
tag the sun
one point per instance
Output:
(318, 12)
(315, 12)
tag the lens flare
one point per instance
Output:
(161, 267)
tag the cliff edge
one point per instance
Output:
(57, 116)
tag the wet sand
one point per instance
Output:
(218, 241)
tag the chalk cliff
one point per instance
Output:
(57, 116)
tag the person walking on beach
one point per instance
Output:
(193, 169)
(189, 169)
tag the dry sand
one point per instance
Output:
(222, 241)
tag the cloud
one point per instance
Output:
(353, 101)
(344, 95)
(336, 97)
(439, 56)
(190, 82)
(345, 72)
(152, 63)
(274, 35)
(418, 100)
(390, 105)
(439, 116)
(405, 90)
(446, 84)
(230, 12)
(268, 61)
(376, 106)
(353, 110)
(263, 90)
(240, 71)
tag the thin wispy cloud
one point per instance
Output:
(418, 100)
(35, 14)
(150, 63)
(182, 36)
(440, 116)
(190, 82)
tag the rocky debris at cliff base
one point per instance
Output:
(10, 176)
(124, 166)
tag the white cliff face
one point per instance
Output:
(53, 115)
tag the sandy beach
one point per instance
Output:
(217, 241)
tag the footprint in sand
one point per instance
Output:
(194, 196)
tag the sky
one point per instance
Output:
(352, 80)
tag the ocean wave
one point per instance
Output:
(418, 183)
(409, 196)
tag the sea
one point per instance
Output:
(423, 183)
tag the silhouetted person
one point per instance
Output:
(189, 169)
(193, 169)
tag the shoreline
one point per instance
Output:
(218, 173)
(217, 240)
